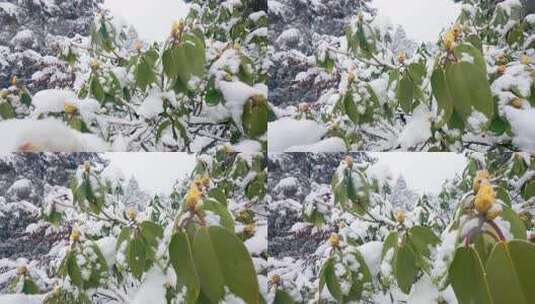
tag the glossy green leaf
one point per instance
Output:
(405, 269)
(328, 277)
(405, 94)
(517, 227)
(181, 258)
(281, 297)
(255, 117)
(467, 277)
(136, 256)
(225, 218)
(6, 110)
(442, 95)
(510, 270)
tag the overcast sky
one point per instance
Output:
(155, 172)
(151, 18)
(424, 172)
(422, 19)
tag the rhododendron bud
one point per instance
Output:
(131, 213)
(525, 60)
(482, 175)
(400, 216)
(485, 197)
(349, 161)
(494, 211)
(334, 240)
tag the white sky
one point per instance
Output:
(424, 172)
(151, 18)
(422, 19)
(155, 172)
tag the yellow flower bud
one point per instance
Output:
(192, 197)
(402, 56)
(95, 65)
(22, 270)
(70, 108)
(449, 40)
(349, 161)
(350, 77)
(525, 60)
(131, 213)
(481, 176)
(275, 279)
(205, 180)
(304, 107)
(400, 216)
(334, 240)
(56, 292)
(87, 166)
(494, 211)
(137, 45)
(228, 77)
(485, 197)
(176, 29)
(501, 69)
(75, 234)
(14, 80)
(501, 58)
(456, 30)
(517, 103)
(250, 229)
(227, 148)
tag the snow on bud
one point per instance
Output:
(227, 148)
(131, 213)
(349, 161)
(192, 197)
(334, 240)
(481, 176)
(517, 103)
(494, 211)
(237, 46)
(360, 16)
(501, 58)
(501, 69)
(4, 93)
(525, 60)
(22, 270)
(275, 279)
(70, 108)
(400, 216)
(486, 196)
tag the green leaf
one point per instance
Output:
(405, 269)
(350, 107)
(29, 287)
(469, 89)
(222, 260)
(421, 239)
(96, 89)
(219, 209)
(281, 297)
(25, 97)
(510, 270)
(151, 232)
(391, 241)
(518, 229)
(6, 110)
(442, 95)
(181, 258)
(328, 277)
(136, 257)
(123, 236)
(144, 74)
(405, 94)
(255, 117)
(468, 51)
(467, 277)
(73, 270)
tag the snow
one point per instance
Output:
(424, 292)
(329, 145)
(107, 247)
(21, 299)
(46, 135)
(418, 129)
(152, 290)
(52, 101)
(259, 242)
(237, 94)
(371, 252)
(247, 146)
(9, 8)
(286, 133)
(152, 106)
(523, 125)
(380, 172)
